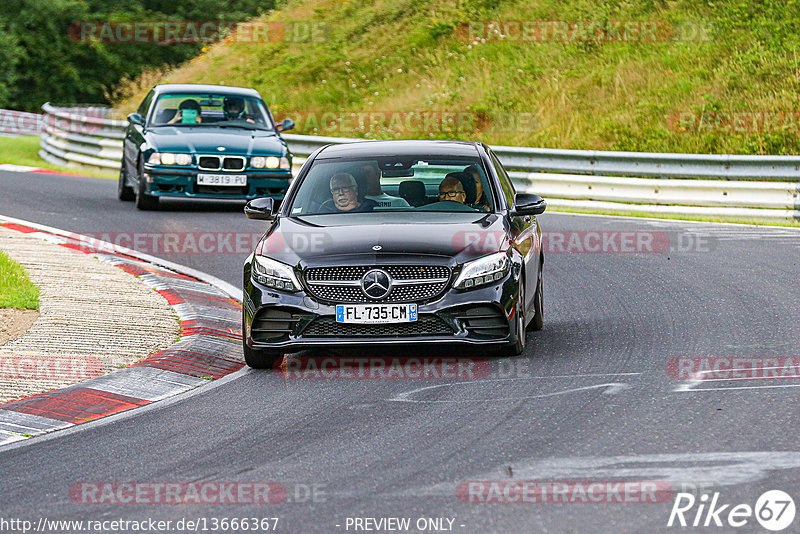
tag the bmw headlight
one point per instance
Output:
(270, 162)
(483, 271)
(271, 273)
(168, 158)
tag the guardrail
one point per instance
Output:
(724, 186)
(14, 123)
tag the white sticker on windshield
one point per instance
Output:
(297, 210)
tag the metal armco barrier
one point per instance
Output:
(724, 186)
(14, 123)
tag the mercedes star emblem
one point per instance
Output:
(376, 284)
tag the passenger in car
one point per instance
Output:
(191, 105)
(373, 191)
(482, 202)
(344, 191)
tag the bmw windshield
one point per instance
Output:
(223, 111)
(390, 184)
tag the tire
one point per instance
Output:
(258, 359)
(124, 192)
(518, 347)
(144, 201)
(537, 323)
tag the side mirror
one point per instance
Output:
(135, 118)
(260, 209)
(528, 204)
(287, 124)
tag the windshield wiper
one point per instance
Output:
(242, 126)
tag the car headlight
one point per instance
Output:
(168, 158)
(483, 271)
(271, 273)
(270, 162)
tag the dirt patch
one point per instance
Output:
(14, 323)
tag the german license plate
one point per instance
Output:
(376, 313)
(233, 180)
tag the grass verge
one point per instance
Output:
(24, 150)
(16, 290)
(714, 77)
(698, 218)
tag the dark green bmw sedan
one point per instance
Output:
(203, 141)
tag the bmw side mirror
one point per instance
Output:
(528, 204)
(262, 209)
(287, 124)
(135, 118)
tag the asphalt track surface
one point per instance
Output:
(590, 400)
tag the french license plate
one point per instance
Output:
(376, 313)
(232, 180)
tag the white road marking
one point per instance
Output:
(611, 388)
(680, 470)
(689, 386)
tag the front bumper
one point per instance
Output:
(476, 317)
(182, 183)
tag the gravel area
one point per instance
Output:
(93, 318)
(14, 323)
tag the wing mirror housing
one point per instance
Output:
(262, 209)
(528, 204)
(286, 125)
(135, 118)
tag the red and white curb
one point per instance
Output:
(25, 168)
(210, 346)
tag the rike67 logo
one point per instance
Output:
(774, 510)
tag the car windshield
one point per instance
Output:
(233, 111)
(393, 184)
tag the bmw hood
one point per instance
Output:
(435, 238)
(207, 140)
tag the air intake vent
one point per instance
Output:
(484, 322)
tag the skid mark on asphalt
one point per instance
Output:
(680, 470)
(609, 388)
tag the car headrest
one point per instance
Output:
(413, 192)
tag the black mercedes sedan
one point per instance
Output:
(394, 242)
(203, 141)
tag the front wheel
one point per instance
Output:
(537, 323)
(518, 346)
(124, 191)
(144, 201)
(257, 359)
